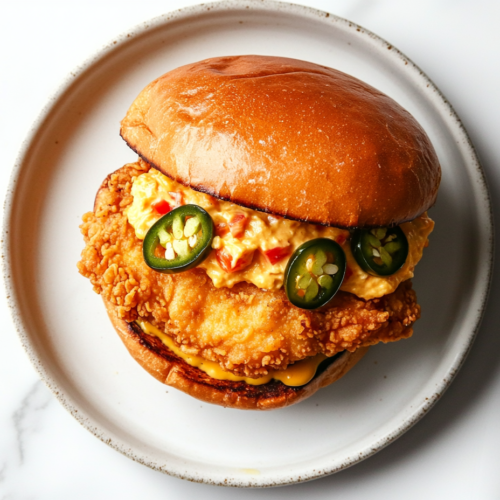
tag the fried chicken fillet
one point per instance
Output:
(247, 330)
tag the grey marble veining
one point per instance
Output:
(26, 418)
(26, 421)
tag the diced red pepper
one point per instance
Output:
(237, 225)
(221, 229)
(162, 207)
(226, 261)
(348, 273)
(340, 239)
(274, 255)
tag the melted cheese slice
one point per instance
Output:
(300, 373)
(264, 232)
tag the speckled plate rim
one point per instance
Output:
(473, 167)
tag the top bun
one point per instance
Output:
(287, 137)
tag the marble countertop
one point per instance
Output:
(451, 453)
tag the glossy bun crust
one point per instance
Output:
(288, 137)
(169, 369)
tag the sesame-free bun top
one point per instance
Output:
(287, 137)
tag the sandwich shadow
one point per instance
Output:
(481, 368)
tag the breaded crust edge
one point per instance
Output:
(165, 366)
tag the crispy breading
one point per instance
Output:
(245, 329)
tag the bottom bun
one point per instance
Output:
(164, 365)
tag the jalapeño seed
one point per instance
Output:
(310, 263)
(169, 253)
(192, 240)
(330, 269)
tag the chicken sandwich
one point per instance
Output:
(267, 234)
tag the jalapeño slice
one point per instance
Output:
(381, 251)
(185, 233)
(314, 273)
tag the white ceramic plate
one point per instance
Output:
(68, 337)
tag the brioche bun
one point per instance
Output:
(287, 137)
(160, 362)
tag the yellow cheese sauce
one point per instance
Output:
(263, 232)
(295, 375)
